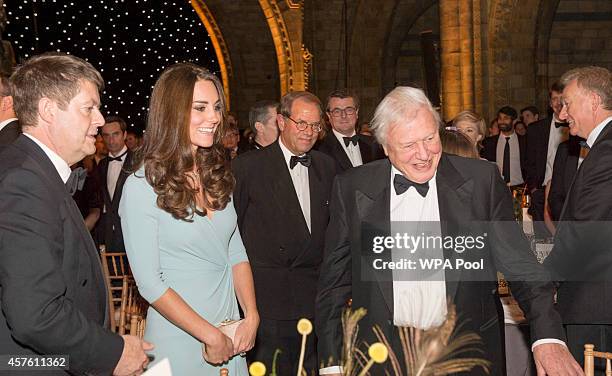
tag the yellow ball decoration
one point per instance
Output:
(378, 352)
(304, 327)
(257, 369)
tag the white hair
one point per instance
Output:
(400, 105)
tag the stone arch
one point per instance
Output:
(223, 57)
(366, 49)
(405, 15)
(250, 50)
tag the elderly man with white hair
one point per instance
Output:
(422, 192)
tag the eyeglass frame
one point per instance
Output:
(343, 111)
(305, 125)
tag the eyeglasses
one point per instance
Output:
(337, 112)
(302, 125)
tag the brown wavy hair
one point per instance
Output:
(167, 150)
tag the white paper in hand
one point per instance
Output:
(160, 369)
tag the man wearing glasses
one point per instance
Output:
(342, 143)
(281, 198)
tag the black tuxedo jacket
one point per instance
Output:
(51, 283)
(369, 148)
(468, 191)
(10, 132)
(109, 229)
(582, 254)
(537, 153)
(284, 256)
(564, 169)
(489, 151)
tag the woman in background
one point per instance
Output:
(458, 143)
(472, 125)
(180, 229)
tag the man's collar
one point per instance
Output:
(5, 122)
(340, 135)
(596, 131)
(118, 154)
(62, 167)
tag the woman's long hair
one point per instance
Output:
(167, 152)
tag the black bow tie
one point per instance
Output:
(304, 160)
(401, 185)
(348, 140)
(117, 158)
(76, 180)
(559, 124)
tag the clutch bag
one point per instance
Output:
(227, 327)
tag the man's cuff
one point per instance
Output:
(330, 370)
(547, 340)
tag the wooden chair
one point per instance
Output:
(133, 309)
(589, 360)
(114, 267)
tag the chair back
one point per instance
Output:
(133, 309)
(114, 267)
(589, 360)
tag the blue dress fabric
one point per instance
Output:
(195, 259)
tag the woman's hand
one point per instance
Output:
(219, 348)
(244, 340)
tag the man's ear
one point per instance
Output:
(259, 127)
(47, 109)
(280, 121)
(7, 103)
(595, 101)
(385, 150)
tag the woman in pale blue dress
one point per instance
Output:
(180, 231)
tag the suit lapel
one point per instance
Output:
(373, 206)
(577, 176)
(366, 151)
(454, 203)
(339, 153)
(55, 182)
(123, 174)
(283, 190)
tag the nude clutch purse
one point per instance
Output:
(227, 327)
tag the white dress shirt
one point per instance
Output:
(114, 169)
(60, 165)
(352, 151)
(299, 177)
(557, 136)
(516, 176)
(5, 123)
(417, 303)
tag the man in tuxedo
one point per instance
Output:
(508, 149)
(543, 138)
(113, 171)
(264, 130)
(281, 197)
(52, 290)
(455, 197)
(581, 256)
(343, 144)
(570, 155)
(9, 125)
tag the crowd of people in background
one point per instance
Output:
(269, 218)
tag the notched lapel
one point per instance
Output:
(454, 202)
(374, 215)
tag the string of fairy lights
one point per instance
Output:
(129, 41)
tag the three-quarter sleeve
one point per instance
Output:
(139, 221)
(237, 252)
